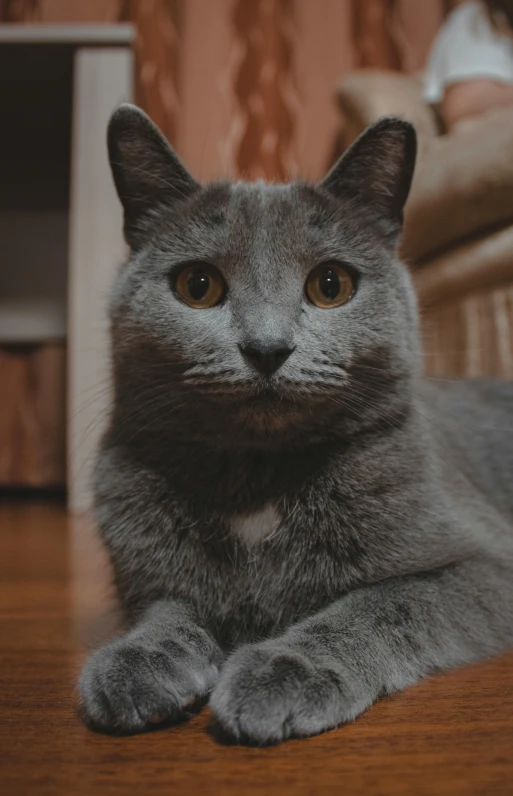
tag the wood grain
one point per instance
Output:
(32, 415)
(471, 336)
(450, 735)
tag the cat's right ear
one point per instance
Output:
(147, 172)
(377, 171)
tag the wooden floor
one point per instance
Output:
(450, 735)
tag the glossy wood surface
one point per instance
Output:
(33, 415)
(448, 736)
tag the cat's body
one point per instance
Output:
(352, 519)
(342, 522)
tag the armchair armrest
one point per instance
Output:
(463, 188)
(365, 95)
(477, 265)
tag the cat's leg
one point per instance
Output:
(151, 674)
(330, 667)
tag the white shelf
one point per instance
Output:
(60, 219)
(31, 321)
(79, 35)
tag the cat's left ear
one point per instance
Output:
(378, 169)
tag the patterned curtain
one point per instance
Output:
(415, 24)
(159, 28)
(396, 34)
(373, 34)
(19, 10)
(264, 87)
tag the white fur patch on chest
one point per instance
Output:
(254, 528)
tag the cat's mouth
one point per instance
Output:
(265, 404)
(277, 407)
(265, 395)
(276, 412)
(268, 406)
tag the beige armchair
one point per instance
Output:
(458, 235)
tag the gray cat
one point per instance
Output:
(298, 523)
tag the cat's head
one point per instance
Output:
(262, 312)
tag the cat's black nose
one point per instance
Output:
(266, 358)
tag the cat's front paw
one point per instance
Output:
(131, 684)
(269, 692)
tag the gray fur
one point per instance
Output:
(393, 557)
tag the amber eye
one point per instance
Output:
(329, 286)
(200, 286)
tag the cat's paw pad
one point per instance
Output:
(269, 692)
(129, 686)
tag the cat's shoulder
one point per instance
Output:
(468, 395)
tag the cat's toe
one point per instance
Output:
(268, 693)
(128, 687)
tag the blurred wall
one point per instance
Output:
(244, 88)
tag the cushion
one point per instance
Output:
(476, 265)
(463, 187)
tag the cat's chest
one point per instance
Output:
(256, 527)
(249, 574)
(272, 570)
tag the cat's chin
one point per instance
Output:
(266, 430)
(265, 419)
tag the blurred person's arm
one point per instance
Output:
(472, 98)
(470, 66)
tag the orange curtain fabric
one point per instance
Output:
(414, 25)
(158, 64)
(264, 86)
(396, 34)
(19, 10)
(373, 35)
